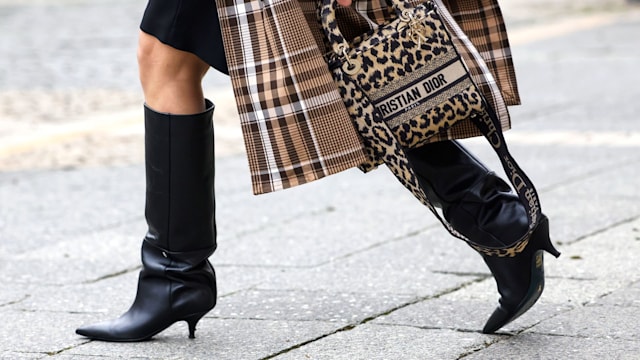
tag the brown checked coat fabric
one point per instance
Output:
(296, 128)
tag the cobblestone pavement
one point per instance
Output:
(69, 94)
(349, 267)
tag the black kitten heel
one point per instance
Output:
(192, 321)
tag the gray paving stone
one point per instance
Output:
(544, 347)
(380, 270)
(350, 194)
(373, 279)
(333, 224)
(345, 308)
(389, 342)
(603, 256)
(434, 250)
(331, 236)
(613, 184)
(627, 297)
(83, 258)
(464, 315)
(35, 332)
(440, 313)
(577, 292)
(557, 292)
(13, 294)
(587, 214)
(518, 12)
(310, 241)
(603, 268)
(232, 279)
(556, 165)
(49, 207)
(594, 321)
(106, 298)
(10, 355)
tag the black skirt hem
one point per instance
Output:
(187, 25)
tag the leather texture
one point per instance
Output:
(473, 199)
(176, 281)
(481, 206)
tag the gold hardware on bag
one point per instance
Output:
(403, 83)
(418, 30)
(350, 66)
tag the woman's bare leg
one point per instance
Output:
(171, 79)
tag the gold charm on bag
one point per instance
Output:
(418, 30)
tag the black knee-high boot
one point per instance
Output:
(177, 282)
(482, 207)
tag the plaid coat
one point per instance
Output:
(295, 126)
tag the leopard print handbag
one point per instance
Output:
(408, 69)
(404, 82)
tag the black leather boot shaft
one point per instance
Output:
(180, 205)
(475, 201)
(482, 207)
(177, 282)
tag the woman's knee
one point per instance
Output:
(162, 63)
(171, 79)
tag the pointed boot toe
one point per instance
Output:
(520, 279)
(126, 328)
(93, 331)
(106, 331)
(505, 314)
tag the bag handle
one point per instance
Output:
(327, 17)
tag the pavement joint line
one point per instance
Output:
(578, 336)
(14, 302)
(426, 327)
(616, 224)
(590, 303)
(457, 273)
(379, 244)
(232, 293)
(70, 347)
(352, 326)
(307, 342)
(344, 256)
(496, 338)
(112, 275)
